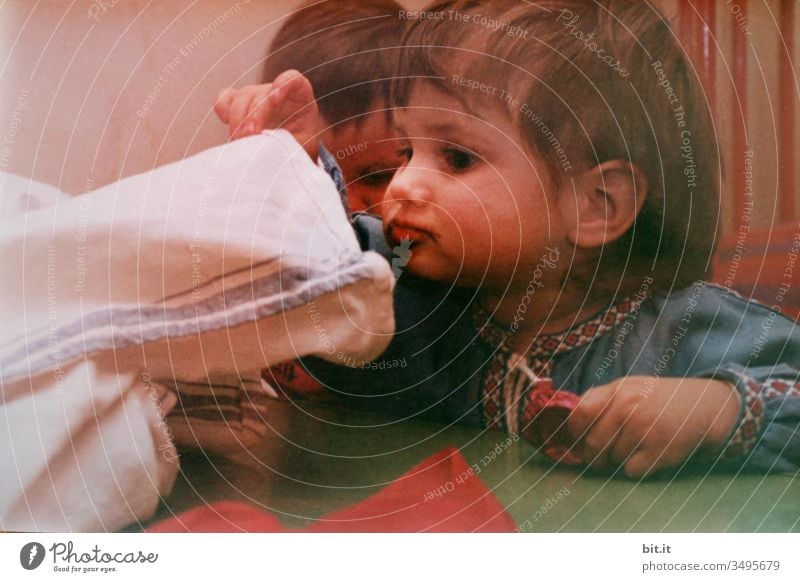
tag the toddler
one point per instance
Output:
(559, 199)
(343, 52)
(558, 204)
(347, 50)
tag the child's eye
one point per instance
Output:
(377, 179)
(459, 159)
(405, 153)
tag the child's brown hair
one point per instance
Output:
(346, 48)
(587, 82)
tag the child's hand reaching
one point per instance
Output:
(287, 103)
(647, 423)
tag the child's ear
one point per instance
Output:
(604, 203)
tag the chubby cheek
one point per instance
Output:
(492, 227)
(467, 249)
(498, 242)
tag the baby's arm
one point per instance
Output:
(767, 437)
(647, 424)
(287, 103)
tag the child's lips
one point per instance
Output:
(402, 231)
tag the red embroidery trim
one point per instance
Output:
(746, 434)
(539, 357)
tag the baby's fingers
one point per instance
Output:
(223, 103)
(602, 438)
(589, 409)
(626, 445)
(644, 463)
(292, 94)
(654, 454)
(238, 112)
(260, 115)
(292, 84)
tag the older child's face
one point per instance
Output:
(367, 156)
(477, 208)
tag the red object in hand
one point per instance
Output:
(545, 421)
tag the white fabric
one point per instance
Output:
(19, 195)
(212, 267)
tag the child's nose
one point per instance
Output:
(410, 184)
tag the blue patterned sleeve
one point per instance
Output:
(766, 437)
(754, 348)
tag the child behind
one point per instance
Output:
(559, 199)
(347, 49)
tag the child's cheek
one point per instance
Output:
(364, 199)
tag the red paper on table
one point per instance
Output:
(409, 504)
(545, 421)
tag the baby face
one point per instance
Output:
(476, 206)
(368, 157)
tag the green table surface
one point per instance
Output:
(320, 458)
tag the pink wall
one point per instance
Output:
(100, 89)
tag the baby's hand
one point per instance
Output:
(287, 103)
(647, 423)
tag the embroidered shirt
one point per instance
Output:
(456, 364)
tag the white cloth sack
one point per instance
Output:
(201, 272)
